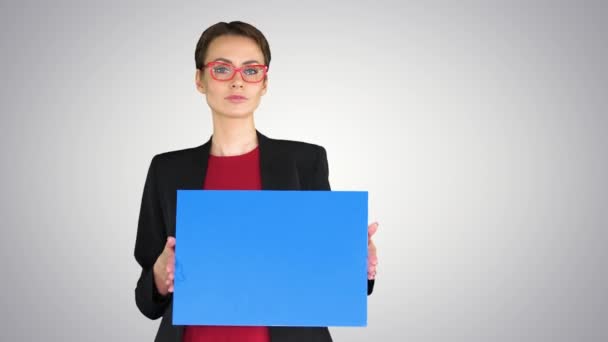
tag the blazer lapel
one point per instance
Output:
(266, 166)
(278, 171)
(194, 174)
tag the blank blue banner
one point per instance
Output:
(271, 258)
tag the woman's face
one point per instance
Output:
(238, 51)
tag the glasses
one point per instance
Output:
(221, 71)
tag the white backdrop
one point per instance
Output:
(479, 131)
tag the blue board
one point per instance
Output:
(271, 258)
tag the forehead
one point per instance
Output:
(238, 49)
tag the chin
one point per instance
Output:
(235, 114)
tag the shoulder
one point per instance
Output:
(178, 154)
(300, 150)
(177, 158)
(310, 161)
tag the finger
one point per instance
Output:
(372, 256)
(372, 228)
(171, 262)
(170, 242)
(171, 288)
(372, 260)
(371, 249)
(171, 254)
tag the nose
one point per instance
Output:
(237, 81)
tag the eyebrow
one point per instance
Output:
(251, 61)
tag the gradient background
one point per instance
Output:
(479, 130)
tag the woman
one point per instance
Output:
(232, 61)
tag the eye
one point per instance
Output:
(252, 70)
(221, 70)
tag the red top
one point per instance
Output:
(230, 173)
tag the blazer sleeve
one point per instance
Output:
(320, 181)
(149, 243)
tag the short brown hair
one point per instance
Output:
(236, 28)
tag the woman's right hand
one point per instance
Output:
(164, 268)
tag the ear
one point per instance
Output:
(198, 80)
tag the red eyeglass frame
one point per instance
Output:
(235, 70)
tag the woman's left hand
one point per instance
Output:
(372, 258)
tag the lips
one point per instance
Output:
(236, 97)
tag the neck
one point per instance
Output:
(233, 136)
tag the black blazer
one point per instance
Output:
(284, 165)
